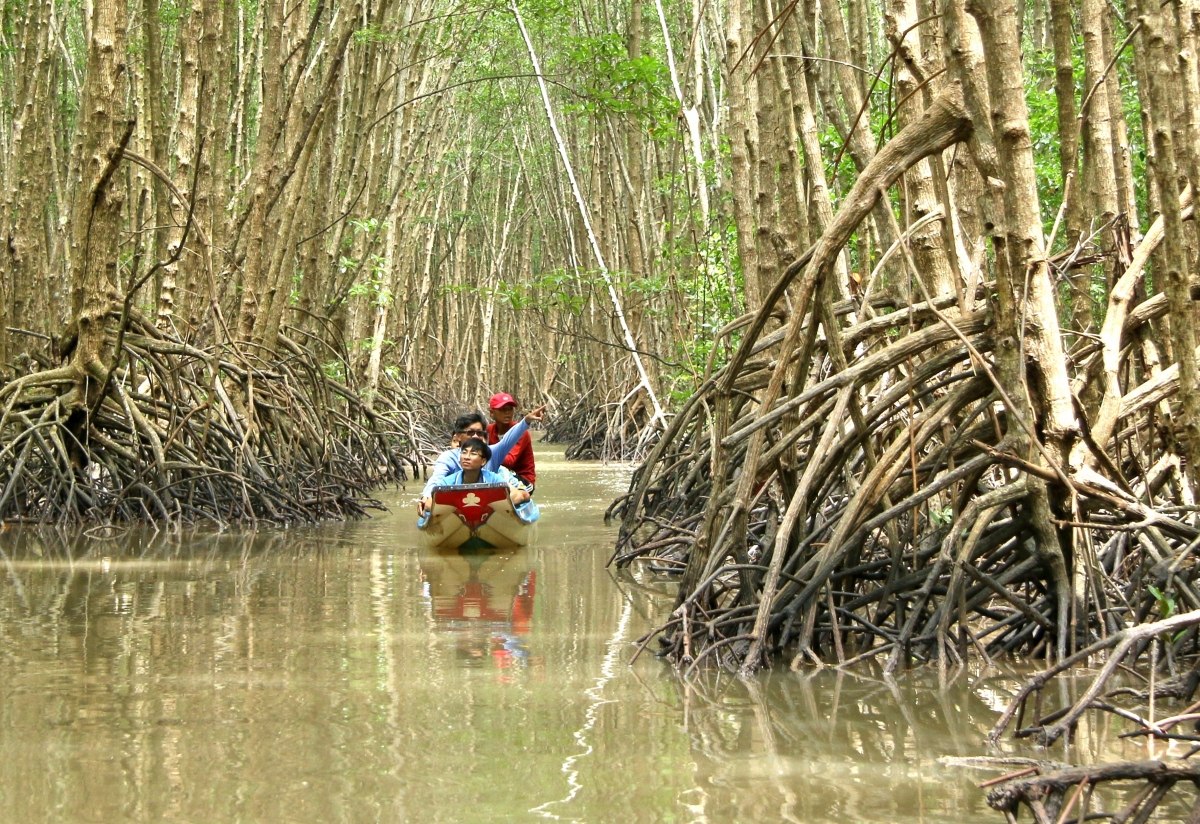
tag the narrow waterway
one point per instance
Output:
(339, 673)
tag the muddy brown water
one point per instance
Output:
(342, 674)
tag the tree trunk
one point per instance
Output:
(1027, 317)
(264, 167)
(1098, 160)
(740, 174)
(96, 210)
(1164, 83)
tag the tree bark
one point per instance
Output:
(1164, 82)
(740, 173)
(96, 210)
(1027, 318)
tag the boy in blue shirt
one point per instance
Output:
(473, 455)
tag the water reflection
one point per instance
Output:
(833, 747)
(485, 598)
(341, 674)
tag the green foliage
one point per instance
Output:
(372, 282)
(555, 288)
(335, 370)
(843, 176)
(1137, 138)
(368, 343)
(941, 516)
(709, 283)
(1165, 602)
(1167, 606)
(608, 80)
(373, 33)
(1043, 126)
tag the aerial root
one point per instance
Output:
(185, 434)
(883, 512)
(597, 429)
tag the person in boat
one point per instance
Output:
(468, 426)
(503, 409)
(474, 456)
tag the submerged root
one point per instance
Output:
(1161, 709)
(1077, 793)
(182, 434)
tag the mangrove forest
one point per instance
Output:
(888, 310)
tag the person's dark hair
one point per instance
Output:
(478, 445)
(466, 419)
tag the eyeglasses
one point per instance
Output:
(471, 432)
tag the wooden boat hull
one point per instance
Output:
(477, 516)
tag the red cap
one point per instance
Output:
(501, 400)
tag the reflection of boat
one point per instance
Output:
(478, 516)
(485, 599)
(490, 587)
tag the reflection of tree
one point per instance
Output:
(144, 661)
(833, 746)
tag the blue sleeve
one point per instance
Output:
(508, 477)
(445, 465)
(500, 451)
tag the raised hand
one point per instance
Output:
(536, 415)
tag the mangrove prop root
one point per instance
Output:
(620, 429)
(852, 490)
(186, 434)
(1165, 711)
(1127, 644)
(875, 528)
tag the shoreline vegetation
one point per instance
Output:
(180, 435)
(894, 301)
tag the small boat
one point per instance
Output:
(477, 516)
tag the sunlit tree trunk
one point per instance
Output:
(185, 156)
(1027, 318)
(265, 162)
(741, 181)
(211, 107)
(23, 258)
(1098, 160)
(1068, 131)
(919, 190)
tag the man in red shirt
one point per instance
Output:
(503, 409)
